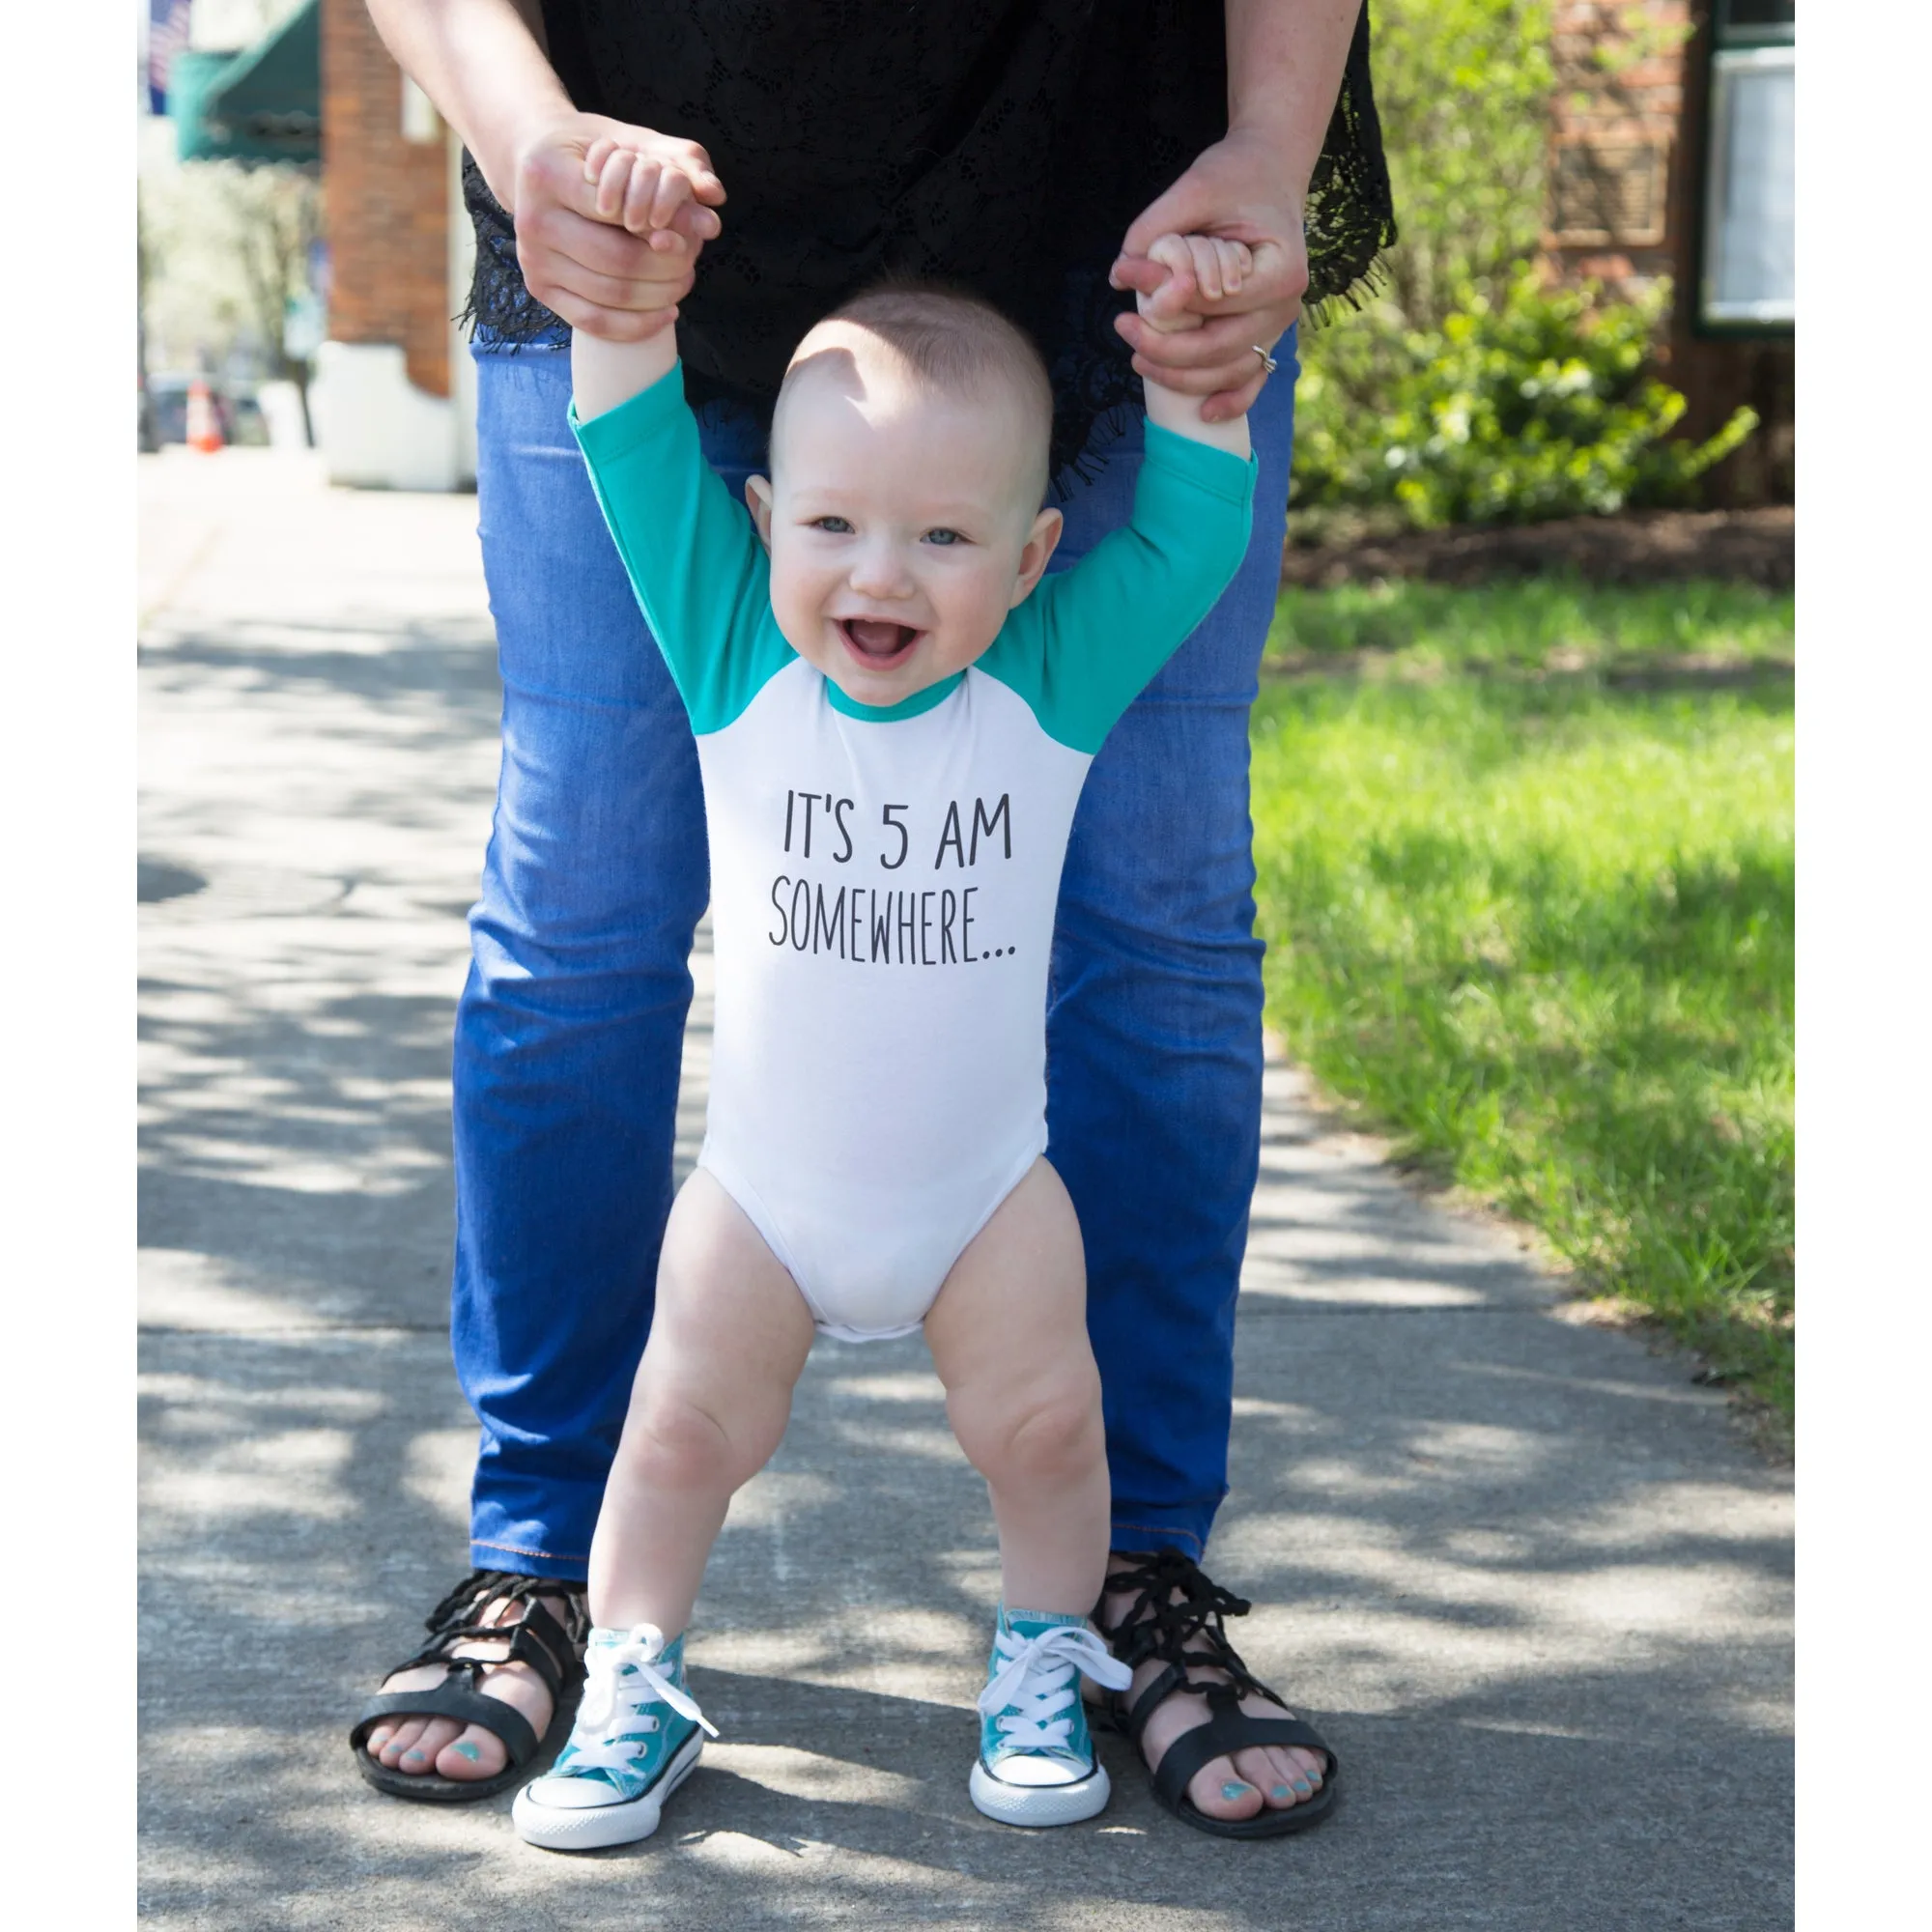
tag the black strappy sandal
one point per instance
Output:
(1189, 1633)
(553, 1651)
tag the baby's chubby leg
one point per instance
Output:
(708, 1407)
(710, 1403)
(1009, 1338)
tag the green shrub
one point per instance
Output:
(1540, 403)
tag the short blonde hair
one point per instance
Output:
(960, 344)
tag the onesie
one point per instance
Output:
(883, 878)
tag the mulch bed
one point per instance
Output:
(1644, 547)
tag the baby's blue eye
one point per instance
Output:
(835, 526)
(944, 537)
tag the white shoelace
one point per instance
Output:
(1036, 1678)
(613, 1703)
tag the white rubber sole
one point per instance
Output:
(1039, 1804)
(559, 1830)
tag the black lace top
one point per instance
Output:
(1002, 144)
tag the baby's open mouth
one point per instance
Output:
(877, 641)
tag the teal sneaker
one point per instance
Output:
(1036, 1764)
(638, 1737)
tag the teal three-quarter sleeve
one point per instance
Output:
(694, 558)
(1089, 640)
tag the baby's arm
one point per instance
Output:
(1218, 269)
(642, 194)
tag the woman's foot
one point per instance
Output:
(1264, 1777)
(416, 1746)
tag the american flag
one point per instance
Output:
(167, 35)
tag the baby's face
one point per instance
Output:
(903, 524)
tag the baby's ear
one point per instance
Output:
(1037, 552)
(758, 501)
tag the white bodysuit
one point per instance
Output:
(883, 880)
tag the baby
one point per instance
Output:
(894, 709)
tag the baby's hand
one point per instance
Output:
(1196, 264)
(643, 189)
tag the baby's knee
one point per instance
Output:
(675, 1443)
(1054, 1435)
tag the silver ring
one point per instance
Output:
(1268, 361)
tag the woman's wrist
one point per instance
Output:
(484, 64)
(1286, 60)
(515, 131)
(1284, 151)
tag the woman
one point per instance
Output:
(1008, 148)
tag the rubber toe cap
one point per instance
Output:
(1035, 1770)
(571, 1794)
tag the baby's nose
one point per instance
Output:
(880, 570)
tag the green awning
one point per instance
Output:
(260, 104)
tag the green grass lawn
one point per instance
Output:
(1525, 859)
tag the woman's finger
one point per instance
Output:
(609, 325)
(1221, 343)
(695, 163)
(1140, 272)
(552, 234)
(1224, 387)
(561, 275)
(645, 282)
(697, 223)
(1224, 379)
(1241, 377)
(549, 274)
(1225, 405)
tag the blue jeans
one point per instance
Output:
(570, 1027)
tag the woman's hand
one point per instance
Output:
(1241, 190)
(1216, 270)
(579, 261)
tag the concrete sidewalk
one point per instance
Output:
(1531, 1581)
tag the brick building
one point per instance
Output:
(393, 395)
(1671, 154)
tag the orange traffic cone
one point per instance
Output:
(204, 429)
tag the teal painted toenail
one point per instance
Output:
(471, 1752)
(1232, 1791)
(1283, 1791)
(417, 1754)
(1302, 1785)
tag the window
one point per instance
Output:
(1749, 274)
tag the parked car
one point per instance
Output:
(164, 411)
